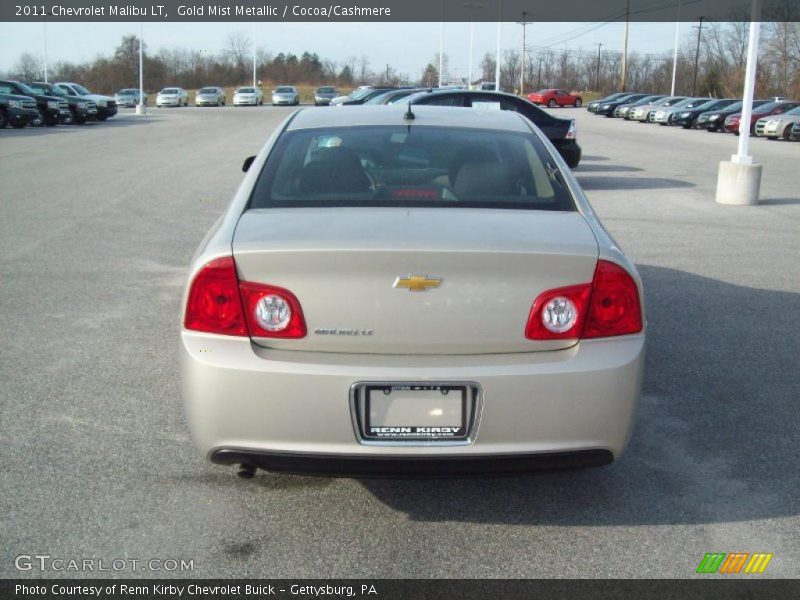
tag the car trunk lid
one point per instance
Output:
(343, 264)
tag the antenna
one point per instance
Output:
(409, 116)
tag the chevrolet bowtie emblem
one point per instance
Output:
(417, 283)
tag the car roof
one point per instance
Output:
(393, 114)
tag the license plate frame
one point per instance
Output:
(368, 432)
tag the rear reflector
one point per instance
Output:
(607, 307)
(213, 305)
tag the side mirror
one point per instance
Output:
(247, 162)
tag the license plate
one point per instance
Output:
(408, 412)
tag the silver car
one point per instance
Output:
(210, 96)
(172, 96)
(248, 96)
(393, 292)
(642, 113)
(285, 94)
(324, 95)
(778, 126)
(662, 115)
(130, 97)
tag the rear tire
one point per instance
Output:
(787, 133)
(40, 121)
(551, 103)
(578, 103)
(102, 117)
(3, 119)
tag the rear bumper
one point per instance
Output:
(271, 406)
(425, 466)
(570, 151)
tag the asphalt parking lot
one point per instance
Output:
(97, 226)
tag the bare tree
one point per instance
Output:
(28, 67)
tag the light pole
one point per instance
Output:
(524, 24)
(141, 109)
(739, 181)
(44, 46)
(472, 6)
(441, 45)
(254, 54)
(497, 53)
(624, 76)
(675, 56)
(597, 76)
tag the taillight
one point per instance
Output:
(214, 305)
(219, 303)
(272, 311)
(572, 132)
(614, 308)
(609, 306)
(559, 314)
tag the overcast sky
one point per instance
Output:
(405, 46)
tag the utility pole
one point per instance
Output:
(697, 55)
(524, 24)
(624, 76)
(387, 74)
(539, 76)
(597, 77)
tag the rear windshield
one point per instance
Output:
(284, 90)
(246, 91)
(411, 166)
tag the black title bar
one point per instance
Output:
(394, 10)
(711, 588)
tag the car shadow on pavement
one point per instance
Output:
(111, 123)
(778, 201)
(592, 157)
(715, 432)
(591, 182)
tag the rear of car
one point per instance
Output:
(338, 319)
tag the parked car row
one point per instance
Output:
(49, 104)
(773, 119)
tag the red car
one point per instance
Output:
(765, 110)
(553, 98)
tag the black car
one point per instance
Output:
(621, 112)
(608, 107)
(688, 118)
(560, 132)
(367, 96)
(592, 106)
(52, 109)
(81, 109)
(17, 111)
(714, 120)
(794, 134)
(396, 96)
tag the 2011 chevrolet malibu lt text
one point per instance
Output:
(410, 293)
